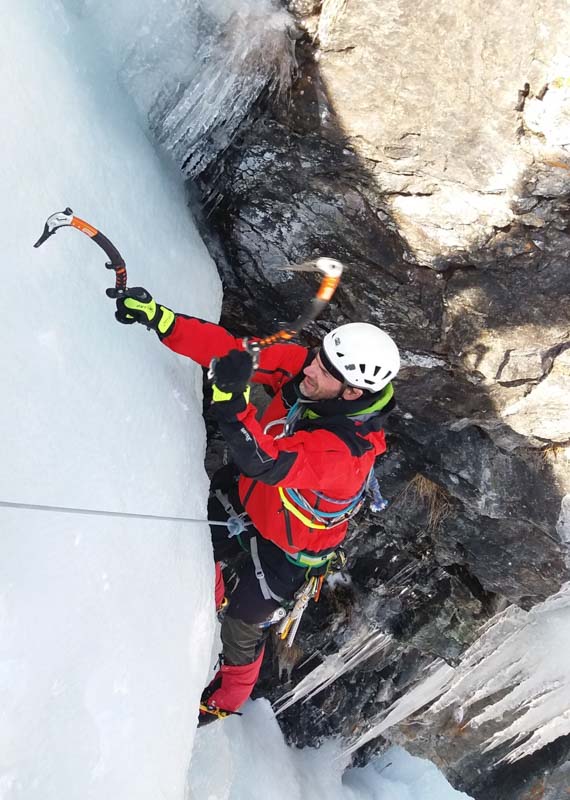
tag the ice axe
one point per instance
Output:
(62, 219)
(331, 270)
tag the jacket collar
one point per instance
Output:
(363, 408)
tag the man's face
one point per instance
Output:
(318, 384)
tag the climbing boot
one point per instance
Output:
(209, 711)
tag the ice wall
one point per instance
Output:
(254, 763)
(195, 67)
(105, 625)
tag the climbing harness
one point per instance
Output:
(237, 523)
(309, 560)
(260, 575)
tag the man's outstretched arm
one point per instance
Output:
(189, 336)
(203, 341)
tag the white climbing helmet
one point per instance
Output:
(362, 354)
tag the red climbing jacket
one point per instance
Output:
(319, 456)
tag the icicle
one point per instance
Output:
(362, 646)
(195, 68)
(515, 675)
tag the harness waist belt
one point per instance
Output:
(302, 559)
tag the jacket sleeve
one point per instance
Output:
(199, 340)
(202, 341)
(299, 461)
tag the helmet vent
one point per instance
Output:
(363, 368)
(340, 355)
(376, 371)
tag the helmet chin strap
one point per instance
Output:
(341, 392)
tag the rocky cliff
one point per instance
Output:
(428, 147)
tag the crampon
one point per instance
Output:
(209, 714)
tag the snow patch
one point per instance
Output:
(410, 359)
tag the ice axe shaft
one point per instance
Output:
(331, 270)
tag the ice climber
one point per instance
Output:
(297, 472)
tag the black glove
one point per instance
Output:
(138, 305)
(231, 373)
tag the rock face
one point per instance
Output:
(445, 108)
(427, 147)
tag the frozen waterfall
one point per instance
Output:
(106, 627)
(514, 676)
(195, 67)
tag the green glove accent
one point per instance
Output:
(148, 309)
(160, 323)
(138, 305)
(222, 397)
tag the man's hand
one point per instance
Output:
(230, 376)
(232, 372)
(138, 305)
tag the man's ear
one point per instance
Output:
(352, 393)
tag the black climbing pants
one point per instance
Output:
(249, 617)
